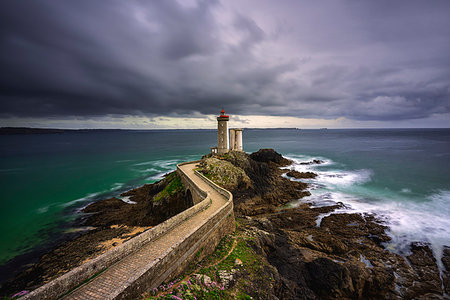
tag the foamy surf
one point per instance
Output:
(410, 219)
(88, 197)
(127, 200)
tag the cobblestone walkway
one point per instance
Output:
(112, 281)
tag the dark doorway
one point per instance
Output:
(188, 199)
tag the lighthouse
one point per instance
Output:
(222, 133)
(231, 141)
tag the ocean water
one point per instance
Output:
(403, 176)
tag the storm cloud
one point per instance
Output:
(362, 60)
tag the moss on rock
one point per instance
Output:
(224, 173)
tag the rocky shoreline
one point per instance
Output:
(103, 225)
(342, 258)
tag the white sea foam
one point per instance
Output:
(88, 197)
(123, 160)
(116, 186)
(148, 170)
(126, 199)
(158, 176)
(43, 209)
(163, 164)
(365, 261)
(337, 178)
(408, 219)
(144, 163)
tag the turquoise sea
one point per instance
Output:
(402, 175)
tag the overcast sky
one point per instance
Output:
(175, 64)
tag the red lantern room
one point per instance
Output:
(222, 114)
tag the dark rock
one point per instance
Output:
(329, 280)
(315, 161)
(446, 273)
(146, 211)
(446, 257)
(270, 155)
(267, 188)
(300, 175)
(424, 264)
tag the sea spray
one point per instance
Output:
(409, 219)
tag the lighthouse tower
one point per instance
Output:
(222, 133)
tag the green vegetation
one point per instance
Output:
(233, 256)
(190, 289)
(224, 173)
(174, 186)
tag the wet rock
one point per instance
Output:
(446, 273)
(350, 225)
(329, 279)
(424, 264)
(300, 175)
(317, 240)
(315, 161)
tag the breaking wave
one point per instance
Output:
(409, 218)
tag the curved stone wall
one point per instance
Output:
(206, 237)
(197, 194)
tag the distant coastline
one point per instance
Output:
(32, 130)
(36, 130)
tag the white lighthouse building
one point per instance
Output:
(225, 141)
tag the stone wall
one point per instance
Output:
(197, 194)
(204, 238)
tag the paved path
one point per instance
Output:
(109, 283)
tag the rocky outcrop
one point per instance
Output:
(152, 205)
(446, 272)
(225, 174)
(342, 258)
(300, 175)
(270, 156)
(313, 162)
(261, 188)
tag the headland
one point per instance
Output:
(276, 251)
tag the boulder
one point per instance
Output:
(270, 155)
(300, 175)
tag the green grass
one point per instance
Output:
(252, 266)
(174, 186)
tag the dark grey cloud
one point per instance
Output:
(377, 60)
